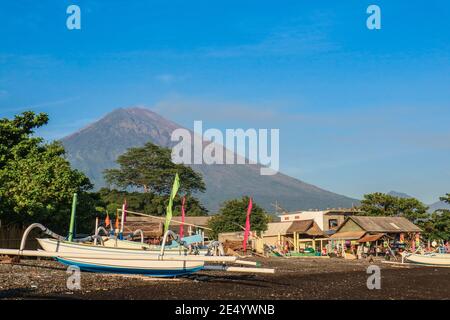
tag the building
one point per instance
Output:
(292, 236)
(327, 220)
(374, 234)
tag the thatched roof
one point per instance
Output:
(199, 221)
(153, 227)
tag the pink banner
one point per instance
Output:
(247, 224)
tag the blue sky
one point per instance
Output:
(358, 110)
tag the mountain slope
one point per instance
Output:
(399, 194)
(97, 146)
(438, 205)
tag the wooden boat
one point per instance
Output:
(110, 246)
(434, 259)
(155, 268)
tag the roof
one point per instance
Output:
(333, 211)
(371, 237)
(348, 235)
(300, 226)
(384, 224)
(197, 220)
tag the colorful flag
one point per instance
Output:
(176, 185)
(107, 220)
(182, 217)
(247, 224)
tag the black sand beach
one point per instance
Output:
(295, 278)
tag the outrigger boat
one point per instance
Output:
(119, 260)
(84, 254)
(187, 245)
(430, 259)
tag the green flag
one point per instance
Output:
(176, 185)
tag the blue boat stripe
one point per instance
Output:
(112, 269)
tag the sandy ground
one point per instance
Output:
(295, 278)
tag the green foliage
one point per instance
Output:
(36, 182)
(151, 168)
(148, 203)
(437, 226)
(232, 216)
(445, 198)
(381, 204)
(15, 135)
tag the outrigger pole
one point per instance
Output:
(163, 218)
(72, 217)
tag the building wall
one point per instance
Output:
(317, 216)
(322, 218)
(272, 240)
(326, 219)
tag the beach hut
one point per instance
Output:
(360, 235)
(293, 236)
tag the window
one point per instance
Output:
(332, 223)
(297, 217)
(286, 218)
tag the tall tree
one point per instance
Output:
(381, 204)
(232, 216)
(36, 182)
(151, 169)
(438, 224)
(16, 135)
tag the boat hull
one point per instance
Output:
(121, 246)
(435, 260)
(149, 268)
(120, 260)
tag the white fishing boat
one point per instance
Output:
(110, 246)
(121, 256)
(434, 259)
(94, 258)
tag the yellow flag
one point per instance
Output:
(175, 187)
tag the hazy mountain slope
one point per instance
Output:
(399, 194)
(438, 205)
(97, 146)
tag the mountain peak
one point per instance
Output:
(399, 194)
(97, 147)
